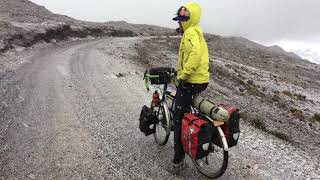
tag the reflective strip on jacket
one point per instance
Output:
(193, 62)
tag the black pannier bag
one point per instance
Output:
(164, 73)
(147, 119)
(231, 129)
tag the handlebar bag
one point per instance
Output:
(165, 75)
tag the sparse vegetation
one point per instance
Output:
(244, 115)
(276, 98)
(258, 122)
(315, 118)
(142, 54)
(254, 120)
(297, 112)
(290, 94)
(276, 92)
(300, 97)
(254, 90)
(250, 82)
(287, 93)
(282, 105)
(279, 135)
(172, 43)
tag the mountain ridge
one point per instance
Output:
(22, 21)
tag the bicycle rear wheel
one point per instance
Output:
(163, 127)
(215, 164)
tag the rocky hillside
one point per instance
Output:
(23, 23)
(275, 90)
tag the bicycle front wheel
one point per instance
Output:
(163, 127)
(215, 164)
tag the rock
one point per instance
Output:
(241, 89)
(282, 105)
(242, 82)
(120, 75)
(53, 41)
(276, 92)
(301, 97)
(250, 82)
(2, 45)
(298, 113)
(264, 89)
(228, 66)
(31, 176)
(276, 98)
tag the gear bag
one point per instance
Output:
(210, 109)
(231, 129)
(164, 73)
(196, 135)
(147, 120)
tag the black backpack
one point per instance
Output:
(147, 118)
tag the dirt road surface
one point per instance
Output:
(71, 112)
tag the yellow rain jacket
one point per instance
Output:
(193, 62)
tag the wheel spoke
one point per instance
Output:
(213, 165)
(161, 134)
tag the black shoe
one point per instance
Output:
(177, 167)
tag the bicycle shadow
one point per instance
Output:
(158, 159)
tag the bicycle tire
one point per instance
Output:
(164, 123)
(212, 173)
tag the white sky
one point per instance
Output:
(267, 21)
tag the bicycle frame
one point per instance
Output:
(167, 123)
(166, 93)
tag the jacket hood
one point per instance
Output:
(195, 15)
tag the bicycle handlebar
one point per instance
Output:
(147, 77)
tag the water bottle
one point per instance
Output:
(155, 99)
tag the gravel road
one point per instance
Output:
(71, 112)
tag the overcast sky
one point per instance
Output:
(264, 21)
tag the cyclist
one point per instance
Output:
(192, 71)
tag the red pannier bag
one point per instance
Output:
(231, 129)
(196, 135)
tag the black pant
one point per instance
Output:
(182, 105)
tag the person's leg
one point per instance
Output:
(182, 105)
(197, 88)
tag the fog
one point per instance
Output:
(264, 21)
